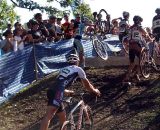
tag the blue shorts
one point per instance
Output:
(55, 98)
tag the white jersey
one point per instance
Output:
(68, 74)
(156, 24)
(123, 25)
(135, 34)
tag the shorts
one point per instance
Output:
(121, 35)
(133, 53)
(78, 46)
(55, 98)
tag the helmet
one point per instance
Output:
(94, 13)
(72, 58)
(137, 19)
(157, 11)
(99, 16)
(125, 14)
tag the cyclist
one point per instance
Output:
(64, 80)
(123, 25)
(156, 26)
(136, 39)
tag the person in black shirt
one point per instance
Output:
(36, 33)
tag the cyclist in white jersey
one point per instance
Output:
(64, 80)
(156, 27)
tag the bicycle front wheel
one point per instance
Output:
(68, 126)
(87, 119)
(125, 45)
(144, 65)
(100, 49)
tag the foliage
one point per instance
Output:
(7, 15)
(83, 9)
(31, 5)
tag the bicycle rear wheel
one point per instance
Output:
(67, 126)
(144, 65)
(87, 125)
(100, 48)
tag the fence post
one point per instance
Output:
(35, 62)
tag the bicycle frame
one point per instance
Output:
(70, 117)
(156, 48)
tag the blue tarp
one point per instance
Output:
(17, 68)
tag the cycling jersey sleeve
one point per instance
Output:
(81, 73)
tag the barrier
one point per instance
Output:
(21, 68)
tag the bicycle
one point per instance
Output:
(147, 61)
(99, 47)
(84, 120)
(97, 37)
(97, 43)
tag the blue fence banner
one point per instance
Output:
(17, 69)
(16, 72)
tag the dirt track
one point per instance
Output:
(121, 107)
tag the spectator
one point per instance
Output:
(58, 29)
(115, 27)
(18, 26)
(67, 28)
(36, 33)
(51, 26)
(20, 40)
(90, 28)
(9, 27)
(38, 18)
(6, 45)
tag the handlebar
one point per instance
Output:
(79, 96)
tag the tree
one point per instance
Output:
(7, 15)
(31, 5)
(83, 9)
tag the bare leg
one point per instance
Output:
(62, 117)
(131, 67)
(51, 110)
(82, 60)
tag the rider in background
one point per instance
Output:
(156, 26)
(64, 80)
(137, 36)
(108, 24)
(123, 26)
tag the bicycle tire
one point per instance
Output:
(67, 126)
(87, 126)
(144, 65)
(100, 48)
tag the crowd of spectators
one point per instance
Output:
(38, 30)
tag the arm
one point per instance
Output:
(68, 92)
(90, 87)
(146, 35)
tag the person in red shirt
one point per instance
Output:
(67, 29)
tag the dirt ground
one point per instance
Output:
(121, 107)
